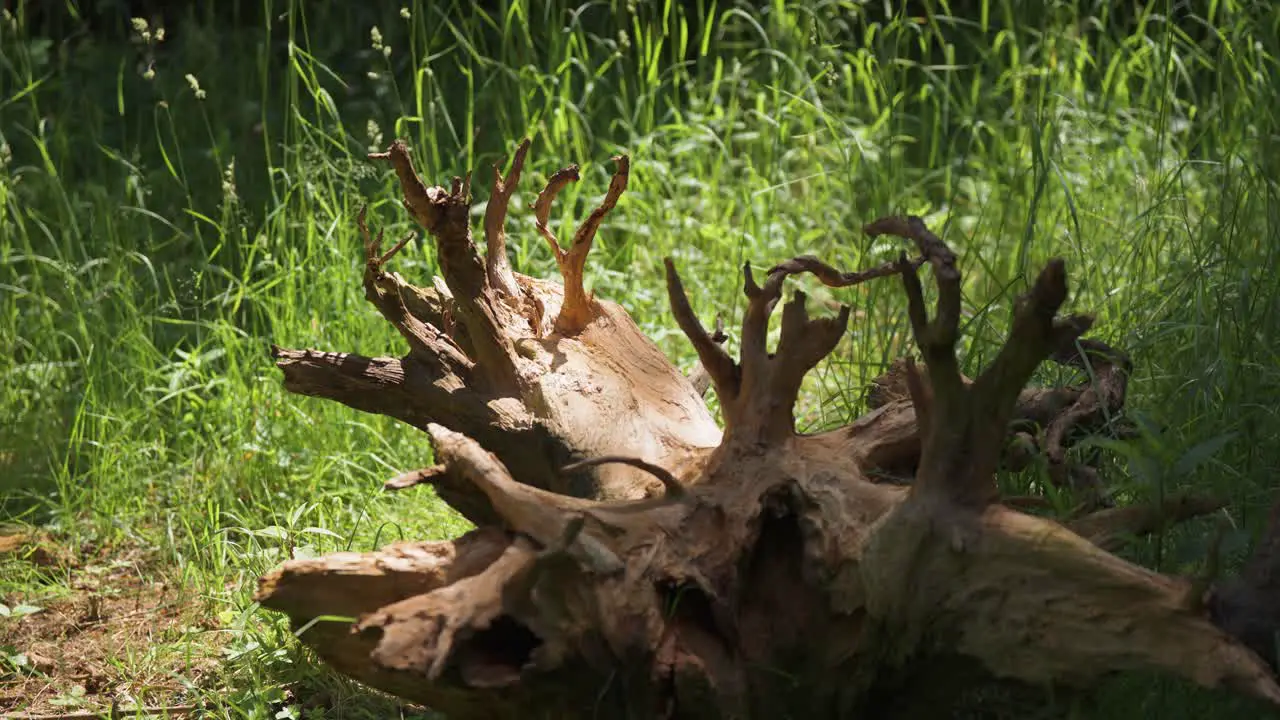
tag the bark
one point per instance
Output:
(633, 558)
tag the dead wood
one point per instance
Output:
(521, 364)
(632, 559)
(497, 265)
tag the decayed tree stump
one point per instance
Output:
(632, 559)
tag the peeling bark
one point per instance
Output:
(634, 560)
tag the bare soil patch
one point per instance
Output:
(108, 632)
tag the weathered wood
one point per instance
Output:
(633, 560)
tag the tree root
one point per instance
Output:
(519, 363)
(750, 572)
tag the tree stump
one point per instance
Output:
(634, 558)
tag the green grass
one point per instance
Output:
(158, 232)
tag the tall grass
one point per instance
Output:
(173, 205)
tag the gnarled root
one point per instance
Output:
(546, 375)
(766, 572)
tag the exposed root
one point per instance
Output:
(1036, 333)
(445, 215)
(773, 576)
(964, 437)
(536, 513)
(921, 394)
(375, 259)
(1110, 529)
(542, 206)
(414, 478)
(669, 482)
(1045, 420)
(831, 277)
(936, 338)
(758, 396)
(353, 584)
(379, 385)
(490, 363)
(1100, 402)
(577, 309)
(699, 377)
(723, 372)
(453, 616)
(497, 266)
(426, 342)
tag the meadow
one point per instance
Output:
(175, 197)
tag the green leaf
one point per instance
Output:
(321, 531)
(1198, 454)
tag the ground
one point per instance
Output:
(109, 627)
(106, 630)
